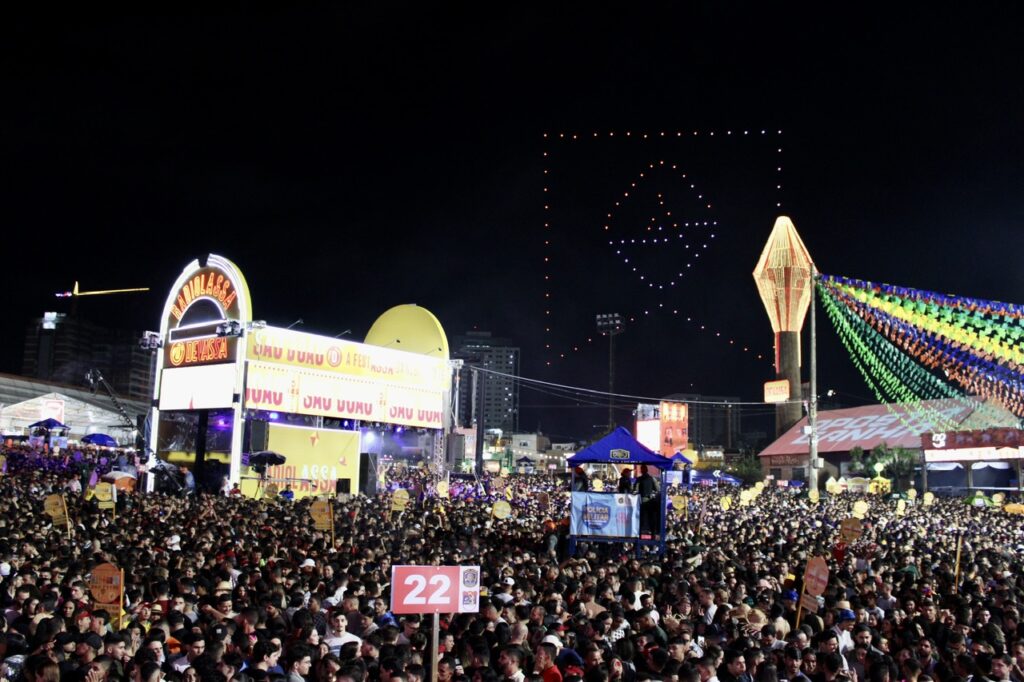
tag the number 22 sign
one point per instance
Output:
(435, 589)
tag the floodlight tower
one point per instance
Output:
(785, 281)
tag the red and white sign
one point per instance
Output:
(776, 391)
(435, 589)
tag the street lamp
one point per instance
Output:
(610, 324)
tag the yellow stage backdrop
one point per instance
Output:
(319, 456)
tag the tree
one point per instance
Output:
(857, 465)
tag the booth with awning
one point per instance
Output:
(612, 516)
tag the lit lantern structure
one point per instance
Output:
(784, 280)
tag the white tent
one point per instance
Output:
(80, 416)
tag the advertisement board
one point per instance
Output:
(290, 348)
(435, 589)
(605, 514)
(197, 388)
(285, 388)
(317, 457)
(648, 433)
(675, 428)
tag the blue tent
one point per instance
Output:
(618, 447)
(100, 439)
(680, 458)
(50, 423)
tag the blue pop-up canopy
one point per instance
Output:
(680, 458)
(50, 423)
(100, 439)
(618, 447)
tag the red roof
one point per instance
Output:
(869, 426)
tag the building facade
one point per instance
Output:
(64, 348)
(487, 399)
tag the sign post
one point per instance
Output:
(107, 587)
(435, 590)
(106, 494)
(323, 516)
(815, 582)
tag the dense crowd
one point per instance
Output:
(222, 588)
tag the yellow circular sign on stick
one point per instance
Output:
(928, 499)
(598, 484)
(850, 530)
(758, 487)
(399, 499)
(912, 494)
(501, 510)
(442, 489)
(54, 505)
(726, 503)
(678, 503)
(901, 508)
(320, 510)
(509, 493)
(104, 491)
(860, 509)
(999, 498)
(814, 496)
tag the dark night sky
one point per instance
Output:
(353, 158)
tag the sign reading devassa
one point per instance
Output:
(435, 589)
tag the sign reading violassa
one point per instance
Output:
(604, 514)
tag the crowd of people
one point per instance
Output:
(220, 588)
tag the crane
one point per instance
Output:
(94, 377)
(75, 292)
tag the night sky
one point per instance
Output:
(350, 157)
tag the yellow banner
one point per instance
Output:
(310, 351)
(302, 391)
(316, 457)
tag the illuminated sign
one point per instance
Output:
(209, 283)
(648, 433)
(776, 391)
(310, 351)
(197, 388)
(674, 428)
(200, 351)
(316, 460)
(290, 389)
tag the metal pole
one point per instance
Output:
(434, 648)
(812, 408)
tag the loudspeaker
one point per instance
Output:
(455, 446)
(259, 436)
(343, 486)
(368, 473)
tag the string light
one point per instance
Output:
(655, 225)
(974, 342)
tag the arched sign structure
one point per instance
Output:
(218, 369)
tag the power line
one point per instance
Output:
(526, 382)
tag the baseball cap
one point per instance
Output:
(510, 581)
(308, 563)
(790, 595)
(846, 614)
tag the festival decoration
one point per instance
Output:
(663, 229)
(903, 339)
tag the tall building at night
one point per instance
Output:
(495, 404)
(63, 348)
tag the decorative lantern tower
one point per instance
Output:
(784, 280)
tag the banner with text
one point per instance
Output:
(300, 391)
(605, 514)
(334, 356)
